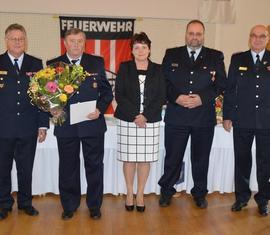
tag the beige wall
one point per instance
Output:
(43, 30)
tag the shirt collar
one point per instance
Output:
(20, 59)
(70, 59)
(254, 54)
(197, 51)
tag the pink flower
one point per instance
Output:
(51, 87)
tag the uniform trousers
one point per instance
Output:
(243, 139)
(22, 150)
(69, 171)
(176, 138)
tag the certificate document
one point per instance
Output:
(79, 111)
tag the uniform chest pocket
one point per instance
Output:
(207, 73)
(89, 88)
(174, 68)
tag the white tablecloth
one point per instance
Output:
(220, 174)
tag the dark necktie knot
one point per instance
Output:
(258, 61)
(74, 61)
(16, 65)
(192, 57)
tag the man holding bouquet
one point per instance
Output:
(21, 123)
(89, 134)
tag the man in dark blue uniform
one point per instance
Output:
(247, 109)
(88, 133)
(195, 77)
(21, 123)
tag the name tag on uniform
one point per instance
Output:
(243, 68)
(3, 72)
(174, 65)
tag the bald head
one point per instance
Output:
(258, 38)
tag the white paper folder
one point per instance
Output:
(79, 111)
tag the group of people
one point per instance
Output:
(187, 82)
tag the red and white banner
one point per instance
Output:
(106, 37)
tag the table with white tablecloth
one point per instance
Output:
(220, 174)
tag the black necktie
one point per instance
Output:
(74, 61)
(257, 62)
(192, 57)
(16, 66)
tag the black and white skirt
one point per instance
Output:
(136, 144)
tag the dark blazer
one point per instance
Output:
(95, 87)
(247, 96)
(183, 77)
(127, 92)
(18, 117)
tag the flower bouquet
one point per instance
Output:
(219, 108)
(51, 87)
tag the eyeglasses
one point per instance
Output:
(20, 40)
(261, 37)
(191, 34)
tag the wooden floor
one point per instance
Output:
(182, 217)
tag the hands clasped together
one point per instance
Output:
(189, 101)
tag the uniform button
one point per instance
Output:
(257, 86)
(191, 72)
(78, 92)
(18, 114)
(190, 92)
(18, 82)
(257, 76)
(18, 92)
(257, 106)
(190, 82)
(18, 103)
(257, 96)
(1, 79)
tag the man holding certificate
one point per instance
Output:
(82, 129)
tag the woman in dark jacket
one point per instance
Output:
(140, 95)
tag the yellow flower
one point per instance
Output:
(34, 87)
(63, 97)
(47, 73)
(218, 109)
